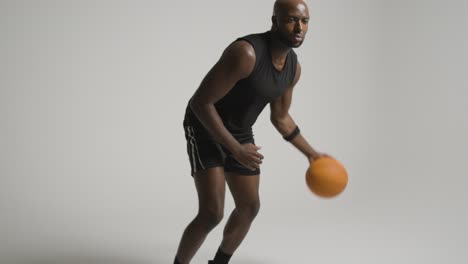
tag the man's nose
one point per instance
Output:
(298, 27)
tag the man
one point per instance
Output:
(253, 71)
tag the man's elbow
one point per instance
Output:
(198, 105)
(278, 122)
(193, 103)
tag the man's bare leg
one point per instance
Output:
(210, 185)
(244, 190)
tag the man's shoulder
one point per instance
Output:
(241, 49)
(254, 43)
(240, 57)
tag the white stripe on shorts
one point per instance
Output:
(197, 154)
(191, 149)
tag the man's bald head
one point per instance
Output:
(282, 6)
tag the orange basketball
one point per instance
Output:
(326, 177)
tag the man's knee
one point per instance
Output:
(249, 209)
(211, 217)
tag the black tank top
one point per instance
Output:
(241, 106)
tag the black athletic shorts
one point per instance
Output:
(205, 153)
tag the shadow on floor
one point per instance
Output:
(82, 259)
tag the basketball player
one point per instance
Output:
(253, 71)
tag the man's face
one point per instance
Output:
(292, 24)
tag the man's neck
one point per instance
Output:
(278, 49)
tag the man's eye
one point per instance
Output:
(305, 21)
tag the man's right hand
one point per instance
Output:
(248, 155)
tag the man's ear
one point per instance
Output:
(274, 22)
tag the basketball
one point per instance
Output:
(326, 177)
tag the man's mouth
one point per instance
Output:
(298, 38)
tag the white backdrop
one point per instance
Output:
(92, 153)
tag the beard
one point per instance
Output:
(288, 40)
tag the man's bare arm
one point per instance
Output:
(285, 124)
(236, 63)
